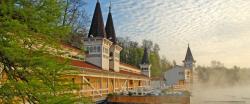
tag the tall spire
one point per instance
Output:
(145, 59)
(189, 56)
(110, 6)
(97, 25)
(110, 30)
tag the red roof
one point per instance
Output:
(97, 69)
(129, 66)
(130, 73)
(83, 64)
(64, 45)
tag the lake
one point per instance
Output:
(221, 95)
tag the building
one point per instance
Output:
(181, 77)
(102, 72)
(175, 77)
(98, 70)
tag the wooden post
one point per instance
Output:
(133, 84)
(108, 85)
(81, 91)
(114, 85)
(128, 85)
(101, 89)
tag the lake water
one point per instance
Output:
(223, 95)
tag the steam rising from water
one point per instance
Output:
(222, 88)
(225, 95)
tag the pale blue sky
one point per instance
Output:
(216, 29)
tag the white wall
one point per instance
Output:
(100, 57)
(173, 75)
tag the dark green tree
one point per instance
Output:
(30, 33)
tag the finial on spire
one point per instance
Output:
(110, 29)
(188, 44)
(98, 1)
(110, 4)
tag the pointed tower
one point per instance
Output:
(115, 49)
(189, 60)
(145, 64)
(189, 64)
(97, 25)
(96, 43)
(110, 30)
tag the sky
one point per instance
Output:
(215, 29)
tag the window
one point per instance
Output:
(111, 54)
(181, 73)
(130, 82)
(87, 49)
(94, 49)
(98, 48)
(90, 49)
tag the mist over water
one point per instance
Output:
(238, 94)
(221, 87)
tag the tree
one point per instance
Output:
(165, 64)
(148, 44)
(29, 43)
(132, 54)
(218, 75)
(75, 16)
(156, 48)
(216, 64)
(156, 64)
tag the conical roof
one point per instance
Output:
(110, 30)
(145, 59)
(189, 56)
(97, 25)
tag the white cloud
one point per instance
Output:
(216, 29)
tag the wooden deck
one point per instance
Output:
(149, 100)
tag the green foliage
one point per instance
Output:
(29, 34)
(75, 15)
(156, 67)
(132, 54)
